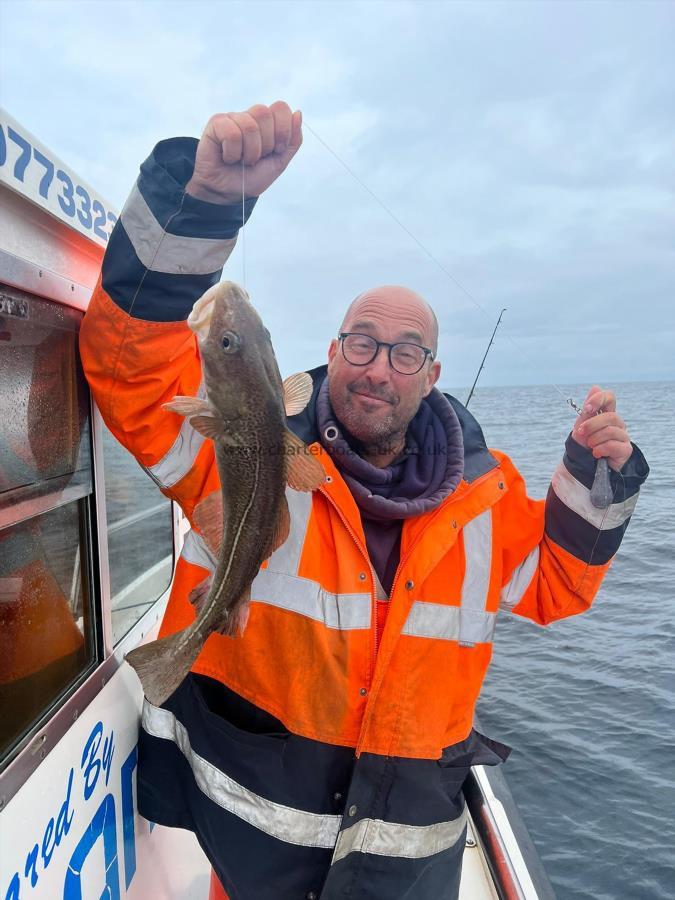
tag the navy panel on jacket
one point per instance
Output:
(168, 297)
(248, 862)
(581, 463)
(164, 298)
(581, 538)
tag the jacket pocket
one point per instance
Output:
(236, 718)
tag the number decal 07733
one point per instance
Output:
(32, 171)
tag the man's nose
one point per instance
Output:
(379, 367)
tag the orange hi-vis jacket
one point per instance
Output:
(309, 760)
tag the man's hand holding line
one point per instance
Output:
(601, 430)
(264, 138)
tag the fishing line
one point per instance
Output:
(426, 251)
(243, 222)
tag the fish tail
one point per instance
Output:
(163, 664)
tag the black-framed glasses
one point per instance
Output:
(404, 358)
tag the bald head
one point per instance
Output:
(374, 401)
(394, 302)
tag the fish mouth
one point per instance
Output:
(201, 315)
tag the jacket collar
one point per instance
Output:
(477, 458)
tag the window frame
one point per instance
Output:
(65, 708)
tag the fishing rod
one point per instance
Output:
(601, 494)
(485, 357)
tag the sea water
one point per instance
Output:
(588, 703)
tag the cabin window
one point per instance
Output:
(140, 537)
(47, 632)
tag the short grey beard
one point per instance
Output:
(381, 438)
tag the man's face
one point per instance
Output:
(374, 402)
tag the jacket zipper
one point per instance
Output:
(404, 559)
(401, 563)
(364, 553)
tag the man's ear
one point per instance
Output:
(433, 375)
(332, 350)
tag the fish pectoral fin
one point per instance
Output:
(208, 517)
(218, 429)
(237, 616)
(297, 392)
(187, 406)
(304, 471)
(210, 426)
(282, 528)
(199, 594)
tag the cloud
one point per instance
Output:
(528, 147)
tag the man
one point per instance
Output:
(323, 753)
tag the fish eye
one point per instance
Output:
(230, 342)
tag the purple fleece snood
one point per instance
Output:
(427, 471)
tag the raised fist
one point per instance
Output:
(264, 138)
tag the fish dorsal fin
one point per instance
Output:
(208, 517)
(187, 406)
(281, 530)
(297, 392)
(304, 472)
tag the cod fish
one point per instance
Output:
(243, 523)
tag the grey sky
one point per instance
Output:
(529, 146)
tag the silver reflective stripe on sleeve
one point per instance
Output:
(514, 590)
(401, 841)
(577, 497)
(449, 623)
(181, 456)
(469, 623)
(195, 551)
(171, 254)
(294, 826)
